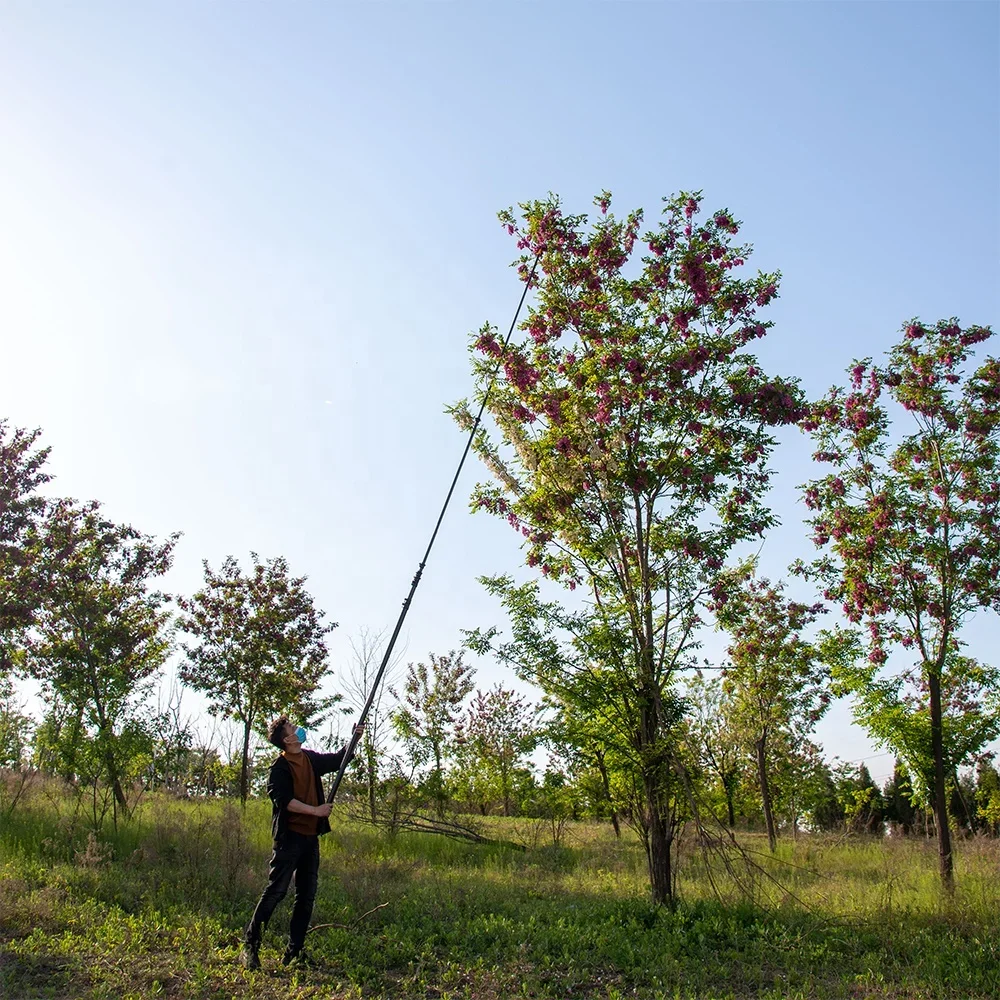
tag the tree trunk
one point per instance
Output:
(106, 739)
(116, 786)
(765, 793)
(727, 786)
(371, 770)
(661, 835)
(599, 755)
(945, 860)
(105, 734)
(245, 765)
(439, 795)
(111, 767)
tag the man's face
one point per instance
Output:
(291, 740)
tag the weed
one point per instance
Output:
(156, 907)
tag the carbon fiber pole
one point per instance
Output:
(355, 734)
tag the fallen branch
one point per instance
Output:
(457, 831)
(346, 927)
(416, 822)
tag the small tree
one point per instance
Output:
(259, 647)
(776, 679)
(100, 635)
(21, 509)
(172, 746)
(583, 729)
(988, 795)
(715, 736)
(635, 433)
(16, 726)
(427, 715)
(897, 795)
(496, 733)
(911, 526)
(864, 808)
(367, 649)
(825, 811)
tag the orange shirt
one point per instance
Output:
(304, 784)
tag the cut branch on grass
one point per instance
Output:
(354, 923)
(418, 822)
(738, 863)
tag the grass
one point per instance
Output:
(157, 908)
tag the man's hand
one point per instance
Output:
(357, 729)
(323, 810)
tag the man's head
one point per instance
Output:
(282, 734)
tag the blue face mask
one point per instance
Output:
(300, 734)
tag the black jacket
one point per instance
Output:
(281, 789)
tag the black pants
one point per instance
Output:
(296, 854)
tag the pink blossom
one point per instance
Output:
(767, 293)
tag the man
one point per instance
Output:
(298, 818)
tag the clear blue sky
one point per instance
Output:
(242, 245)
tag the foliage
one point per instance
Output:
(426, 718)
(496, 733)
(826, 813)
(16, 726)
(911, 529)
(896, 713)
(585, 728)
(21, 509)
(864, 807)
(988, 796)
(259, 647)
(715, 737)
(898, 796)
(776, 679)
(635, 431)
(100, 634)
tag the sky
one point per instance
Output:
(243, 245)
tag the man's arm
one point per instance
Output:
(295, 806)
(326, 763)
(280, 788)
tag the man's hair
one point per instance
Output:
(276, 731)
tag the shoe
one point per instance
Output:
(249, 957)
(298, 958)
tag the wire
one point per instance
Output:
(355, 734)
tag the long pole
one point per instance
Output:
(355, 732)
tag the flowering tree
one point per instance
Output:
(426, 718)
(776, 678)
(493, 737)
(21, 508)
(100, 633)
(634, 436)
(260, 647)
(716, 739)
(910, 527)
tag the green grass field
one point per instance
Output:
(156, 909)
